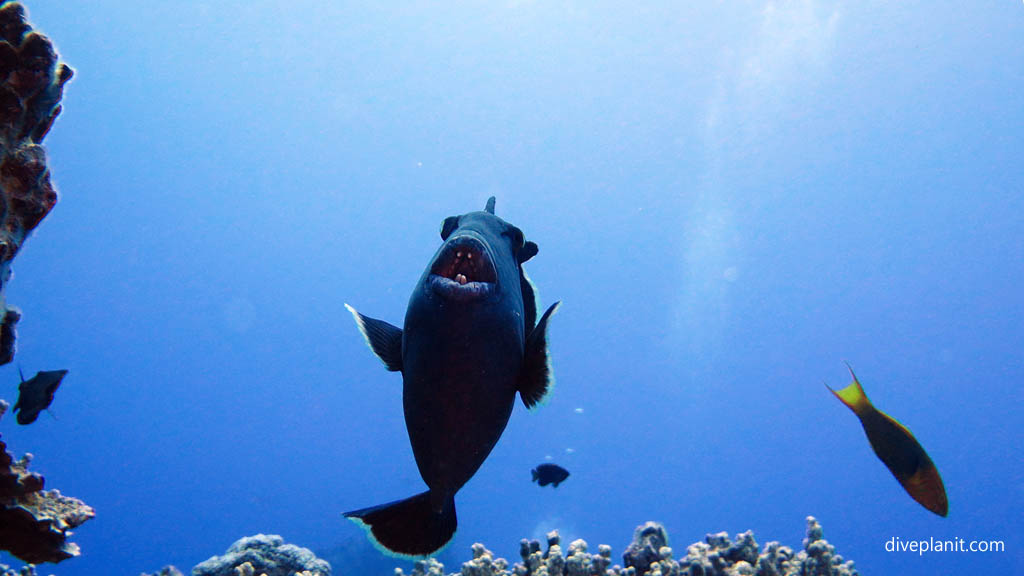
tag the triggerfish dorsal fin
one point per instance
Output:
(853, 396)
(536, 378)
(489, 208)
(383, 338)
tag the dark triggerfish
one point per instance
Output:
(549, 474)
(897, 448)
(471, 341)
(36, 394)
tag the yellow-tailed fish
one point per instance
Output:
(897, 448)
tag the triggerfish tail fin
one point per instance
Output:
(408, 528)
(384, 339)
(536, 378)
(853, 395)
(534, 474)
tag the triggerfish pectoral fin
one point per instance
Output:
(536, 379)
(384, 339)
(897, 448)
(409, 528)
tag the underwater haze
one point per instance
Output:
(731, 200)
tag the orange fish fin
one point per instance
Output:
(852, 396)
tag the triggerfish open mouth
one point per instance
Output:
(463, 270)
(471, 341)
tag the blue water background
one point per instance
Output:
(730, 199)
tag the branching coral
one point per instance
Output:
(650, 555)
(31, 87)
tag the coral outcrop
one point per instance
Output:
(27, 570)
(34, 523)
(650, 555)
(264, 555)
(645, 549)
(166, 571)
(31, 86)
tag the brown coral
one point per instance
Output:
(31, 86)
(35, 523)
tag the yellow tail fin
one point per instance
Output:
(853, 395)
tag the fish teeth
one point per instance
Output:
(460, 278)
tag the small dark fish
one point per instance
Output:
(549, 474)
(897, 448)
(471, 340)
(36, 394)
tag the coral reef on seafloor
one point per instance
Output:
(263, 555)
(166, 571)
(27, 570)
(34, 523)
(243, 569)
(31, 87)
(650, 555)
